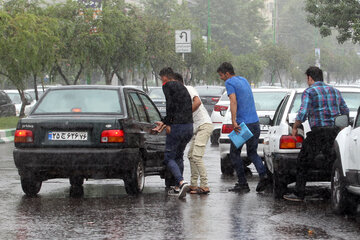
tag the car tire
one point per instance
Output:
(135, 181)
(76, 181)
(226, 167)
(341, 199)
(76, 191)
(279, 185)
(30, 185)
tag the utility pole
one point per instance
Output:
(209, 29)
(274, 35)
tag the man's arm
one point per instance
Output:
(301, 116)
(233, 110)
(196, 103)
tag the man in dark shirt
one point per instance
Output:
(179, 128)
(320, 104)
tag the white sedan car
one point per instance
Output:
(281, 150)
(16, 100)
(266, 101)
(345, 177)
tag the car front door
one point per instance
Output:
(354, 144)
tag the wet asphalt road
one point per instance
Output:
(106, 212)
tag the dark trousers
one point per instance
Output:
(176, 142)
(319, 141)
(251, 148)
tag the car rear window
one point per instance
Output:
(352, 100)
(267, 101)
(156, 93)
(80, 101)
(209, 91)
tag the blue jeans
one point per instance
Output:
(176, 142)
(251, 148)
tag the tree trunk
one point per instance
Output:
(78, 74)
(62, 75)
(120, 78)
(23, 103)
(278, 72)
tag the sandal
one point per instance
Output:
(201, 190)
(192, 188)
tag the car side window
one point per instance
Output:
(139, 107)
(153, 114)
(131, 108)
(280, 111)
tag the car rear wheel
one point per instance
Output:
(226, 166)
(340, 198)
(169, 179)
(76, 181)
(279, 185)
(135, 181)
(30, 185)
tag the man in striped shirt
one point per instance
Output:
(320, 104)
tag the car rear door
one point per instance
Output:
(153, 144)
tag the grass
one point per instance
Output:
(8, 122)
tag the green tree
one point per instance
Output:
(278, 59)
(342, 15)
(27, 42)
(237, 24)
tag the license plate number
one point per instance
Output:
(68, 136)
(162, 108)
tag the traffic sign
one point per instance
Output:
(183, 41)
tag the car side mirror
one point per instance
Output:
(342, 121)
(265, 120)
(222, 113)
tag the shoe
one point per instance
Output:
(240, 188)
(184, 188)
(263, 183)
(201, 190)
(173, 191)
(293, 197)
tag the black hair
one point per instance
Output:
(315, 73)
(226, 67)
(167, 72)
(178, 77)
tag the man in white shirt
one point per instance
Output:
(202, 130)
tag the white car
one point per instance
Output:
(16, 100)
(217, 117)
(345, 177)
(266, 101)
(281, 150)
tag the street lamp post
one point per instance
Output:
(209, 29)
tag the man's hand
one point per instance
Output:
(236, 126)
(168, 129)
(159, 127)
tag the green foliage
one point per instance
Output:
(237, 24)
(8, 122)
(342, 15)
(250, 66)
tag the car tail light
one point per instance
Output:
(23, 136)
(218, 108)
(288, 142)
(227, 128)
(215, 99)
(111, 136)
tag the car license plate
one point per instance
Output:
(162, 109)
(68, 136)
(264, 127)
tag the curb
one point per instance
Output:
(7, 135)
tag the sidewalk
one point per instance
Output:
(7, 135)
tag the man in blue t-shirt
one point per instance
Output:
(242, 107)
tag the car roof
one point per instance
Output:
(270, 90)
(95, 87)
(11, 91)
(208, 86)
